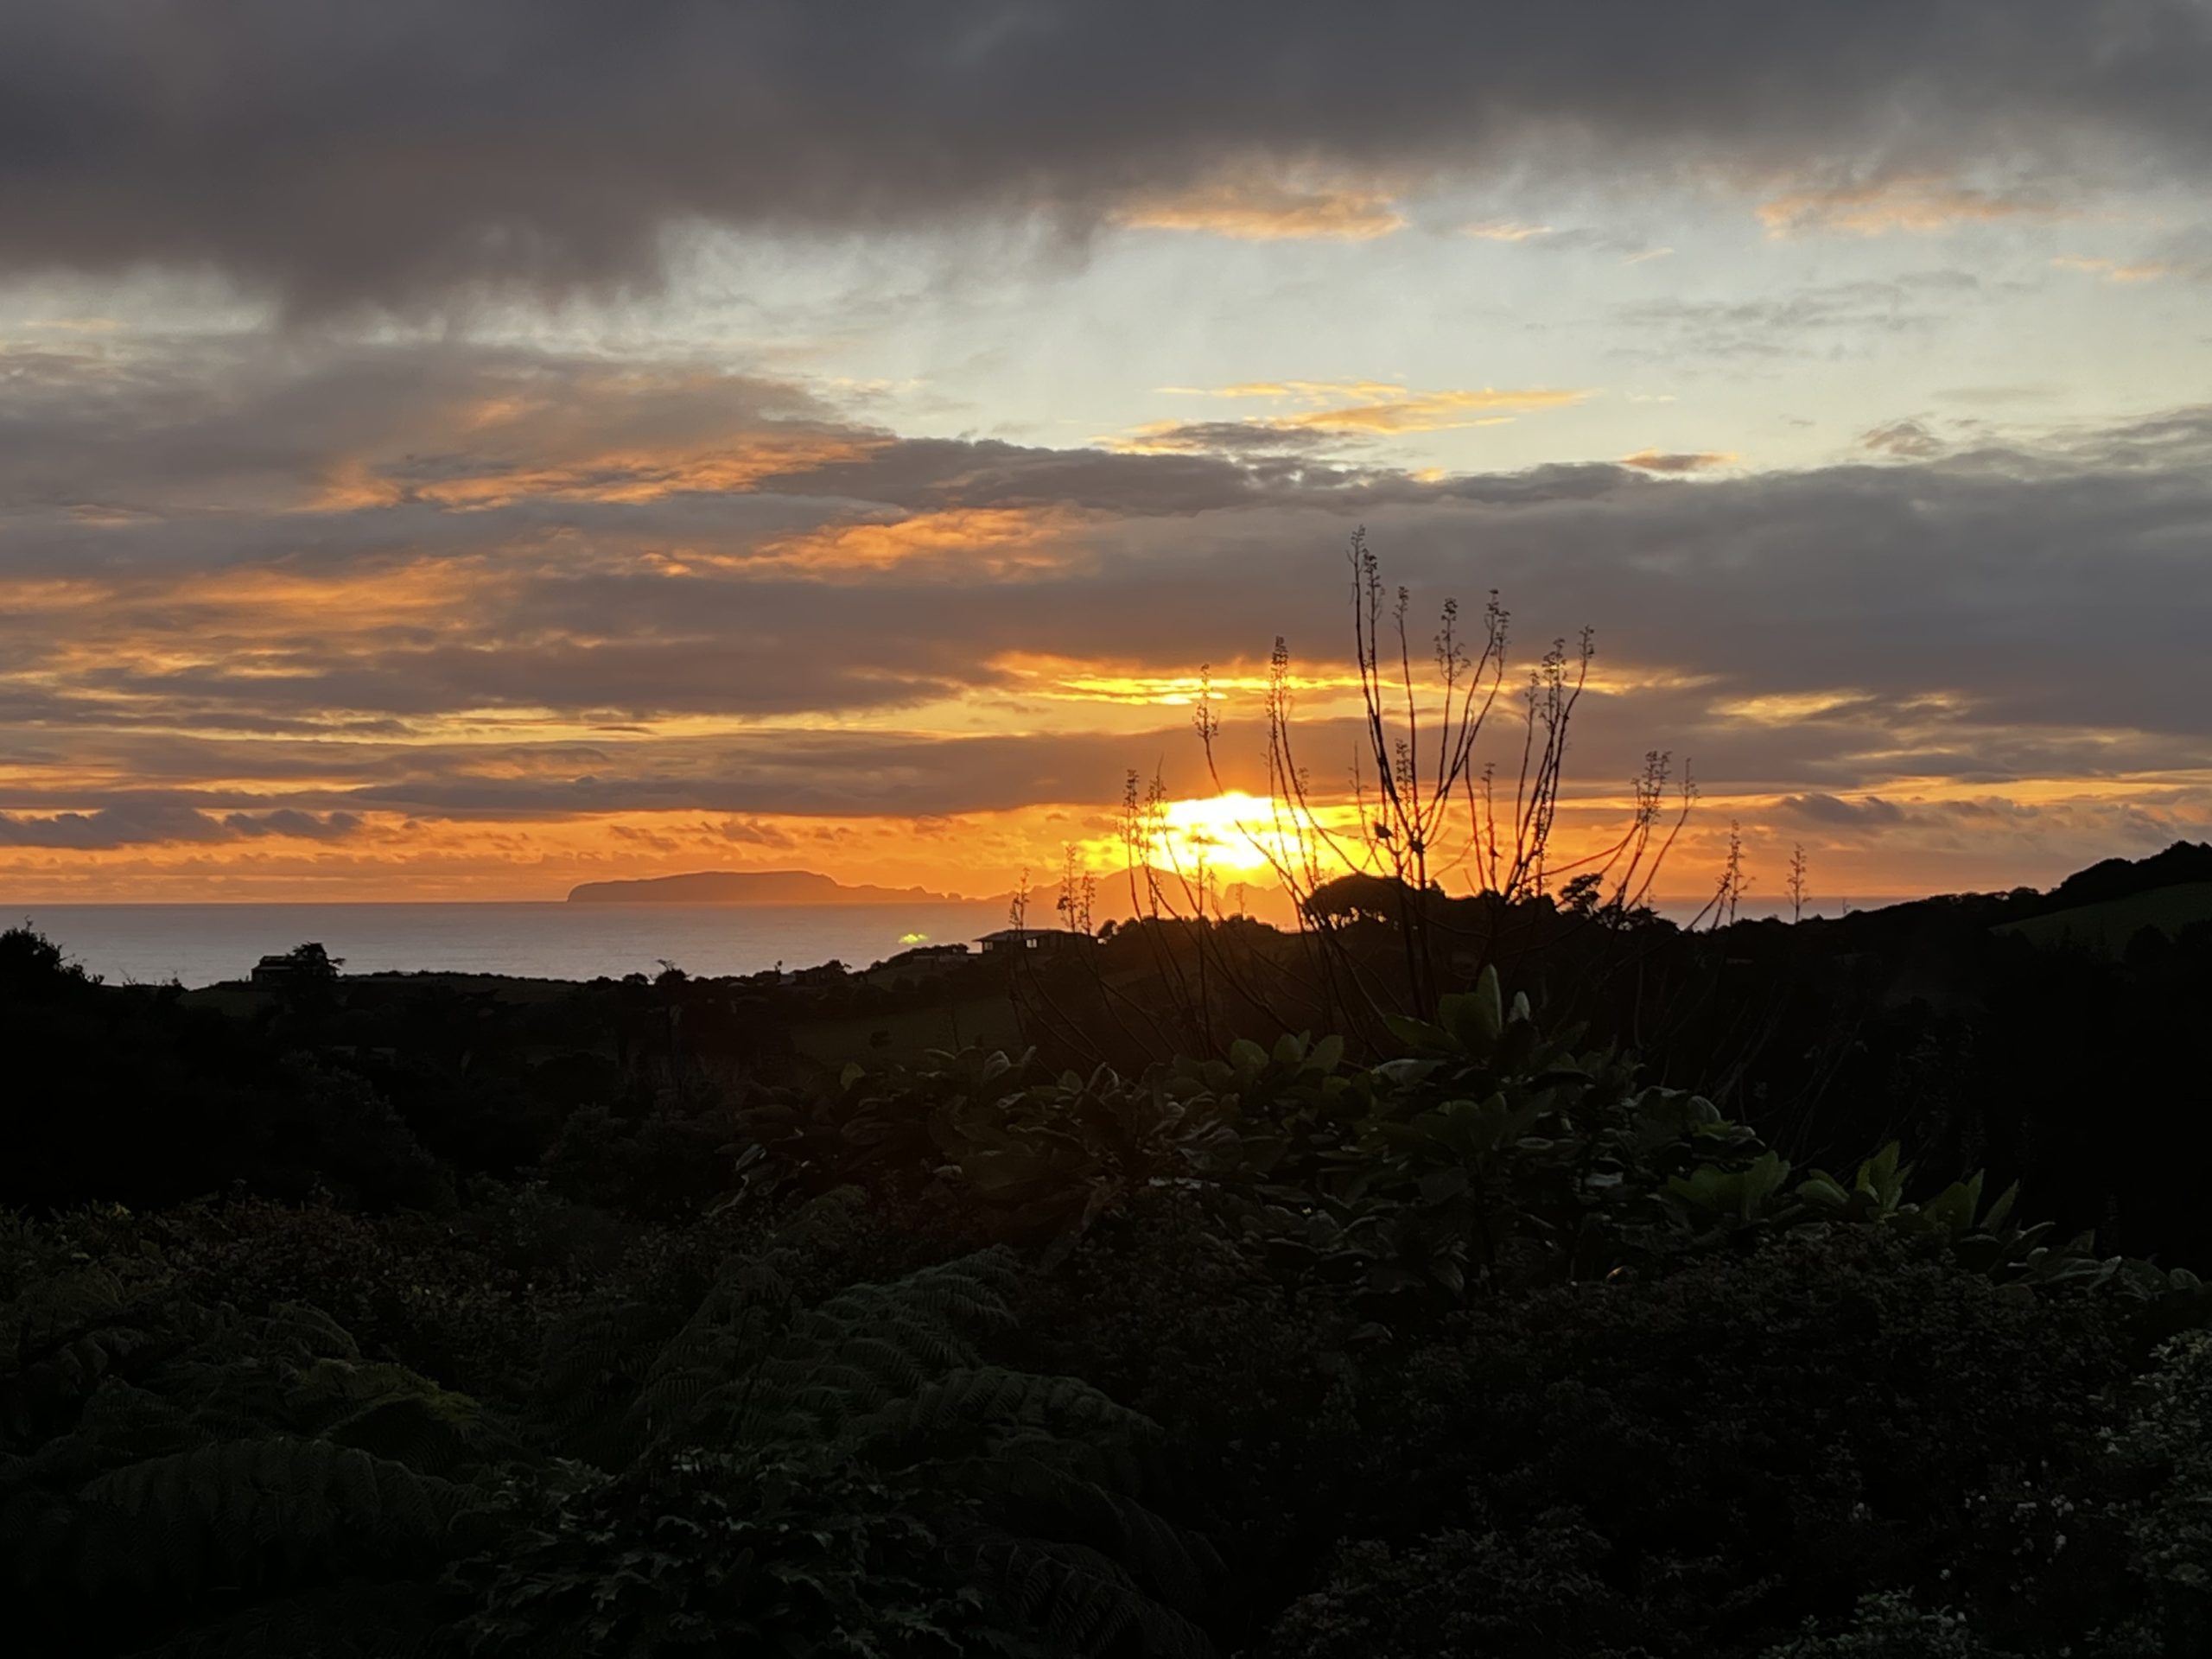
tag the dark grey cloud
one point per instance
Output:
(1910, 439)
(123, 825)
(233, 423)
(143, 820)
(1252, 437)
(1217, 464)
(289, 821)
(1831, 812)
(334, 152)
(236, 447)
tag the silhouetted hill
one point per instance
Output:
(2110, 926)
(750, 888)
(2182, 863)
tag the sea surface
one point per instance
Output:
(205, 944)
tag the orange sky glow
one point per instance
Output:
(801, 495)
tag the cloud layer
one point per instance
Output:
(331, 153)
(255, 599)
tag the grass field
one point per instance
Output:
(2106, 928)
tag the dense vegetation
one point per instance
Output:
(413, 1320)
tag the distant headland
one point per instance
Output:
(751, 887)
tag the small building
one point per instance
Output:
(924, 958)
(1011, 939)
(304, 964)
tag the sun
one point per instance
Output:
(1231, 833)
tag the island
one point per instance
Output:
(751, 887)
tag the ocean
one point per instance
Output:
(203, 944)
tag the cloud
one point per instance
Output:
(1220, 437)
(332, 153)
(1317, 392)
(109, 826)
(1336, 411)
(140, 822)
(755, 832)
(1506, 230)
(1918, 205)
(230, 423)
(1262, 210)
(300, 826)
(1652, 460)
(892, 625)
(1830, 811)
(1908, 439)
(2114, 271)
(1632, 249)
(1428, 412)
(1818, 318)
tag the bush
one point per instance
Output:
(1756, 1440)
(1529, 1595)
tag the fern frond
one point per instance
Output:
(966, 1401)
(245, 1506)
(303, 1331)
(123, 1423)
(1169, 1562)
(597, 1355)
(1081, 1602)
(352, 1621)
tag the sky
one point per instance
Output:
(459, 452)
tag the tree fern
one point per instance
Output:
(948, 1409)
(244, 1508)
(757, 1407)
(347, 1621)
(1081, 1601)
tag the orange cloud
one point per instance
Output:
(1918, 204)
(1654, 460)
(1071, 679)
(1348, 408)
(2113, 270)
(617, 475)
(1427, 412)
(1261, 210)
(963, 543)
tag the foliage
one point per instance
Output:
(2166, 1443)
(1889, 1627)
(851, 1474)
(1490, 1154)
(1489, 1344)
(1523, 1595)
(166, 1464)
(1755, 1437)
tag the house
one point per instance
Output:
(304, 964)
(924, 958)
(925, 954)
(1007, 939)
